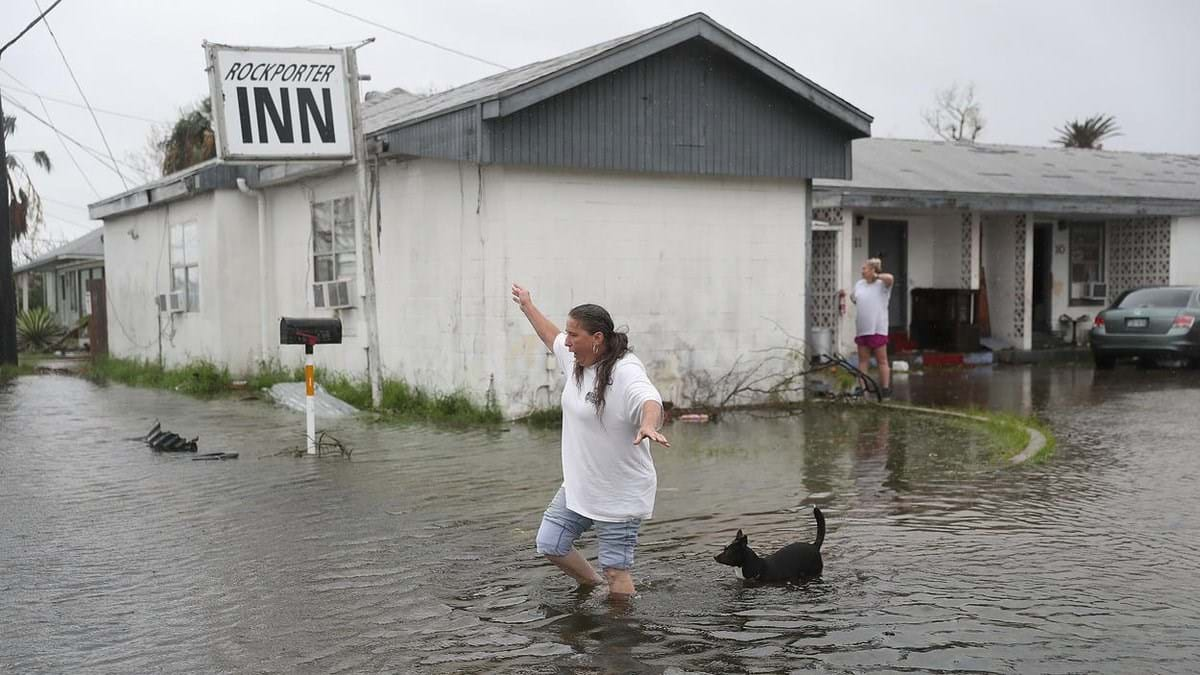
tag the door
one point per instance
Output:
(888, 241)
(1043, 254)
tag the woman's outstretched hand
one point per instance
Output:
(653, 435)
(520, 295)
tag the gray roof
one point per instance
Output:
(500, 95)
(88, 247)
(891, 165)
(503, 89)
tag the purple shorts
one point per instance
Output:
(871, 341)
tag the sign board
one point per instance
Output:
(273, 104)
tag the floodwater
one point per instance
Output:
(416, 554)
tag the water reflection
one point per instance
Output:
(417, 554)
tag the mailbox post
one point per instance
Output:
(310, 332)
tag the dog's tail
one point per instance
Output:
(820, 526)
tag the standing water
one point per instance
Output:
(416, 555)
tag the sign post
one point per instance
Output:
(298, 105)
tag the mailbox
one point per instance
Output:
(298, 331)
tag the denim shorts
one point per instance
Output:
(562, 526)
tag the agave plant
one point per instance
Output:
(37, 330)
(1089, 133)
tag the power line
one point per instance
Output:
(25, 90)
(96, 154)
(60, 202)
(31, 25)
(46, 23)
(408, 35)
(61, 142)
(67, 221)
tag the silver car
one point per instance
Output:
(1151, 324)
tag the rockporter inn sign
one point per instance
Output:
(280, 104)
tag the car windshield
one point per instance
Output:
(1157, 297)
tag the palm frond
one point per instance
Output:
(43, 160)
(1088, 134)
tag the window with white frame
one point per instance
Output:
(185, 265)
(333, 240)
(1087, 264)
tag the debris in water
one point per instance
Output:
(162, 440)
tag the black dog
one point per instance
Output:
(790, 563)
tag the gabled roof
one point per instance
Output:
(505, 93)
(893, 167)
(88, 247)
(500, 95)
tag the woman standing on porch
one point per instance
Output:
(611, 413)
(871, 294)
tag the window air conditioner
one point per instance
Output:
(1097, 290)
(338, 294)
(170, 302)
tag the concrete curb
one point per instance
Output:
(1037, 440)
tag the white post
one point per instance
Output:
(25, 292)
(362, 217)
(310, 411)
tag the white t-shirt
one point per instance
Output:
(872, 300)
(606, 476)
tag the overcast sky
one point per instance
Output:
(1035, 63)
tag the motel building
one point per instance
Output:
(667, 175)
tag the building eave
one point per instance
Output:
(1066, 205)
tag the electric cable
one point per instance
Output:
(408, 35)
(46, 23)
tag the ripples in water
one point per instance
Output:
(416, 555)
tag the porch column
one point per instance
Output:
(847, 275)
(24, 307)
(50, 289)
(1024, 271)
(970, 250)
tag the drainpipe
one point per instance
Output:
(262, 267)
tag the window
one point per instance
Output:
(333, 240)
(1170, 298)
(185, 265)
(1087, 264)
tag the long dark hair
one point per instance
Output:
(596, 319)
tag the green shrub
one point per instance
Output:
(38, 331)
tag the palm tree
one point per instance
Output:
(1088, 133)
(191, 140)
(24, 203)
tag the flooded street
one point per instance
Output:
(416, 555)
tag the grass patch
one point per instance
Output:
(1009, 432)
(543, 418)
(1012, 433)
(8, 372)
(272, 373)
(198, 378)
(401, 401)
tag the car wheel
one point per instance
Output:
(1104, 362)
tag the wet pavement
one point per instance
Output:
(416, 554)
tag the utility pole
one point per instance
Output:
(8, 292)
(363, 217)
